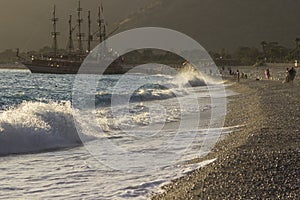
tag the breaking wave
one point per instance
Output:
(36, 127)
(190, 78)
(148, 92)
(169, 88)
(32, 127)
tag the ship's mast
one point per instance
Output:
(101, 25)
(70, 43)
(89, 32)
(54, 33)
(79, 34)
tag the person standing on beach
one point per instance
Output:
(287, 76)
(292, 74)
(267, 73)
(238, 75)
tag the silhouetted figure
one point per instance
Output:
(230, 71)
(238, 75)
(290, 75)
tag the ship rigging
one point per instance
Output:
(70, 62)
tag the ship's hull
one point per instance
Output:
(74, 69)
(51, 70)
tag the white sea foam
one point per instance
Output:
(189, 78)
(36, 126)
(148, 92)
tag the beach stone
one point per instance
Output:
(261, 160)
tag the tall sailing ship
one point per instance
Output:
(70, 62)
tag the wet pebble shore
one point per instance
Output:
(259, 161)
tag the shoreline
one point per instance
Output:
(257, 161)
(12, 66)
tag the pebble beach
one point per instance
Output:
(260, 160)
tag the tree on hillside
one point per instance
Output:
(297, 40)
(263, 45)
(247, 55)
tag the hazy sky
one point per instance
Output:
(213, 23)
(26, 23)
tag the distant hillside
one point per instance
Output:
(214, 23)
(226, 23)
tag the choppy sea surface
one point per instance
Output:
(48, 152)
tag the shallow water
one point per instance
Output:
(141, 144)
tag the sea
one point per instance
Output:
(136, 134)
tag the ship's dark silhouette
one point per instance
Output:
(70, 62)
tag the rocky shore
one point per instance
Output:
(259, 161)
